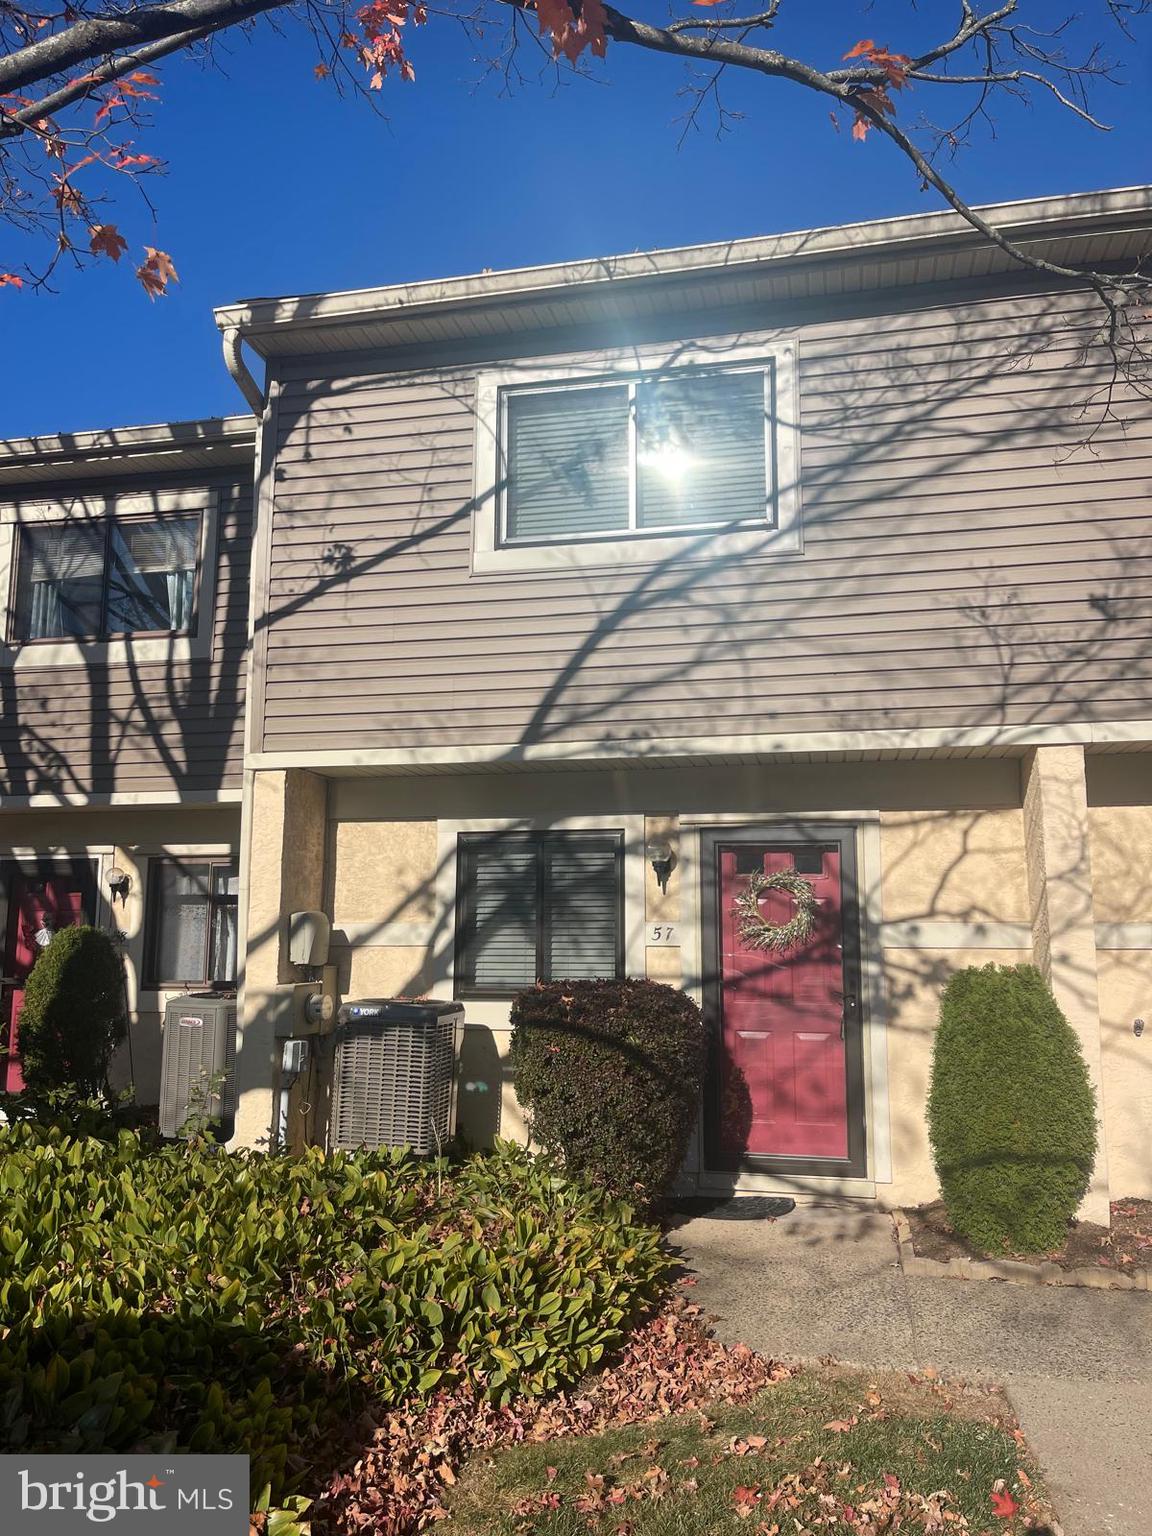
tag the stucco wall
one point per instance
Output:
(914, 980)
(954, 866)
(948, 874)
(282, 871)
(1121, 838)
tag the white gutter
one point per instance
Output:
(1037, 218)
(159, 437)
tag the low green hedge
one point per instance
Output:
(188, 1298)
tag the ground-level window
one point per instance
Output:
(538, 906)
(192, 911)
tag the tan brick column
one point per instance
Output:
(1063, 919)
(282, 871)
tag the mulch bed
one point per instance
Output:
(1125, 1247)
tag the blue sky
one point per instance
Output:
(275, 185)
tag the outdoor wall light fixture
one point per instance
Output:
(662, 857)
(119, 883)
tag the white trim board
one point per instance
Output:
(201, 799)
(642, 749)
(1124, 935)
(359, 933)
(915, 934)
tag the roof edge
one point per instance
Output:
(108, 444)
(1043, 215)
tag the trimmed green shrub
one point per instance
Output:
(1011, 1113)
(610, 1073)
(192, 1299)
(73, 1016)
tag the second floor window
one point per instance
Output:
(101, 578)
(192, 909)
(645, 455)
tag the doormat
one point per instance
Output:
(734, 1207)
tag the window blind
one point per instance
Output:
(567, 453)
(538, 906)
(700, 450)
(582, 886)
(60, 580)
(504, 915)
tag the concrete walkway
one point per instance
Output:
(1077, 1364)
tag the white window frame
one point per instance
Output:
(122, 649)
(778, 532)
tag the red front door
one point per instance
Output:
(38, 904)
(784, 1016)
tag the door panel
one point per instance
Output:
(785, 1023)
(39, 903)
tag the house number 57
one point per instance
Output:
(663, 934)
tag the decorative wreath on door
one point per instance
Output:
(756, 931)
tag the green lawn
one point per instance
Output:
(901, 1455)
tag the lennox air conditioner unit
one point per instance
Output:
(394, 1074)
(197, 1082)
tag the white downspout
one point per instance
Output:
(238, 368)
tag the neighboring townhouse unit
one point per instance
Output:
(584, 595)
(125, 563)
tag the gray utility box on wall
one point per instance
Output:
(197, 1081)
(394, 1074)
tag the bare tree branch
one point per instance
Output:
(99, 38)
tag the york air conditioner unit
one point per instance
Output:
(196, 1069)
(394, 1074)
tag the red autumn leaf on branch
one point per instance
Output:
(106, 105)
(572, 33)
(895, 69)
(156, 272)
(10, 280)
(107, 241)
(894, 65)
(1004, 1506)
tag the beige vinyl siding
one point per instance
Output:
(141, 728)
(961, 565)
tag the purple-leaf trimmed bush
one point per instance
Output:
(609, 1074)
